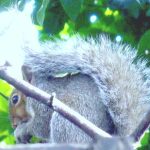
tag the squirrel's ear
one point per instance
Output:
(27, 73)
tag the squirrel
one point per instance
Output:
(100, 79)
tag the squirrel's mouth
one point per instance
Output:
(15, 124)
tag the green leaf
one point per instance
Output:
(35, 140)
(2, 137)
(7, 137)
(4, 121)
(4, 4)
(144, 140)
(134, 9)
(53, 23)
(51, 15)
(40, 16)
(5, 91)
(10, 139)
(144, 45)
(5, 88)
(148, 13)
(72, 7)
(3, 105)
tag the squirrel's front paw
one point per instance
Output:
(22, 135)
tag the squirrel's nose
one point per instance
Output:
(14, 125)
(15, 122)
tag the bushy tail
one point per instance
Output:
(123, 84)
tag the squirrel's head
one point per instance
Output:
(17, 108)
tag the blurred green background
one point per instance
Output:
(126, 21)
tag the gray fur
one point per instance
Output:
(72, 90)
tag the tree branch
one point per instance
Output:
(49, 100)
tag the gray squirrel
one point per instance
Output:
(100, 79)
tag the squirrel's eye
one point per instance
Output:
(15, 99)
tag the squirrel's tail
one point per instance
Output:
(124, 82)
(128, 81)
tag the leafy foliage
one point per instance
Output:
(144, 45)
(5, 127)
(124, 20)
